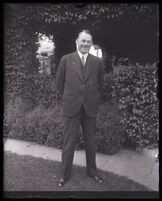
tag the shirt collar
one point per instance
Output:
(85, 55)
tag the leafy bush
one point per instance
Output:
(110, 134)
(106, 95)
(37, 88)
(44, 126)
(14, 116)
(13, 82)
(41, 90)
(40, 125)
(128, 111)
(136, 90)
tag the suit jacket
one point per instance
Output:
(79, 89)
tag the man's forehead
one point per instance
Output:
(85, 36)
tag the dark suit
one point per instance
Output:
(80, 101)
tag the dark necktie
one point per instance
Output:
(83, 61)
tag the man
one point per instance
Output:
(79, 81)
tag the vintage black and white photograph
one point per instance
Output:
(81, 100)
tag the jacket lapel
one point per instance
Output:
(76, 62)
(77, 66)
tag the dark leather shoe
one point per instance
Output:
(97, 179)
(61, 182)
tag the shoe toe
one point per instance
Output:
(61, 182)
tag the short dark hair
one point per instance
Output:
(85, 31)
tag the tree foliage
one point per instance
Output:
(20, 21)
(65, 12)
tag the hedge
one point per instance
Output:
(135, 87)
(128, 112)
(44, 126)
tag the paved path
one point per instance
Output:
(141, 167)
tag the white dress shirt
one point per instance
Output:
(85, 56)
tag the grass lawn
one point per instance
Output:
(26, 173)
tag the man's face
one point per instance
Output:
(84, 43)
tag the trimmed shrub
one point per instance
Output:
(110, 134)
(44, 126)
(37, 88)
(41, 90)
(136, 90)
(14, 116)
(40, 125)
(128, 111)
(109, 84)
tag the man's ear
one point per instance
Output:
(76, 41)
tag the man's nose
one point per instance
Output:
(86, 43)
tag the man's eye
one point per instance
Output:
(85, 41)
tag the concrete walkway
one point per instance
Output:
(141, 167)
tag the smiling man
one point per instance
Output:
(79, 80)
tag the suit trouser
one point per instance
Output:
(71, 129)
